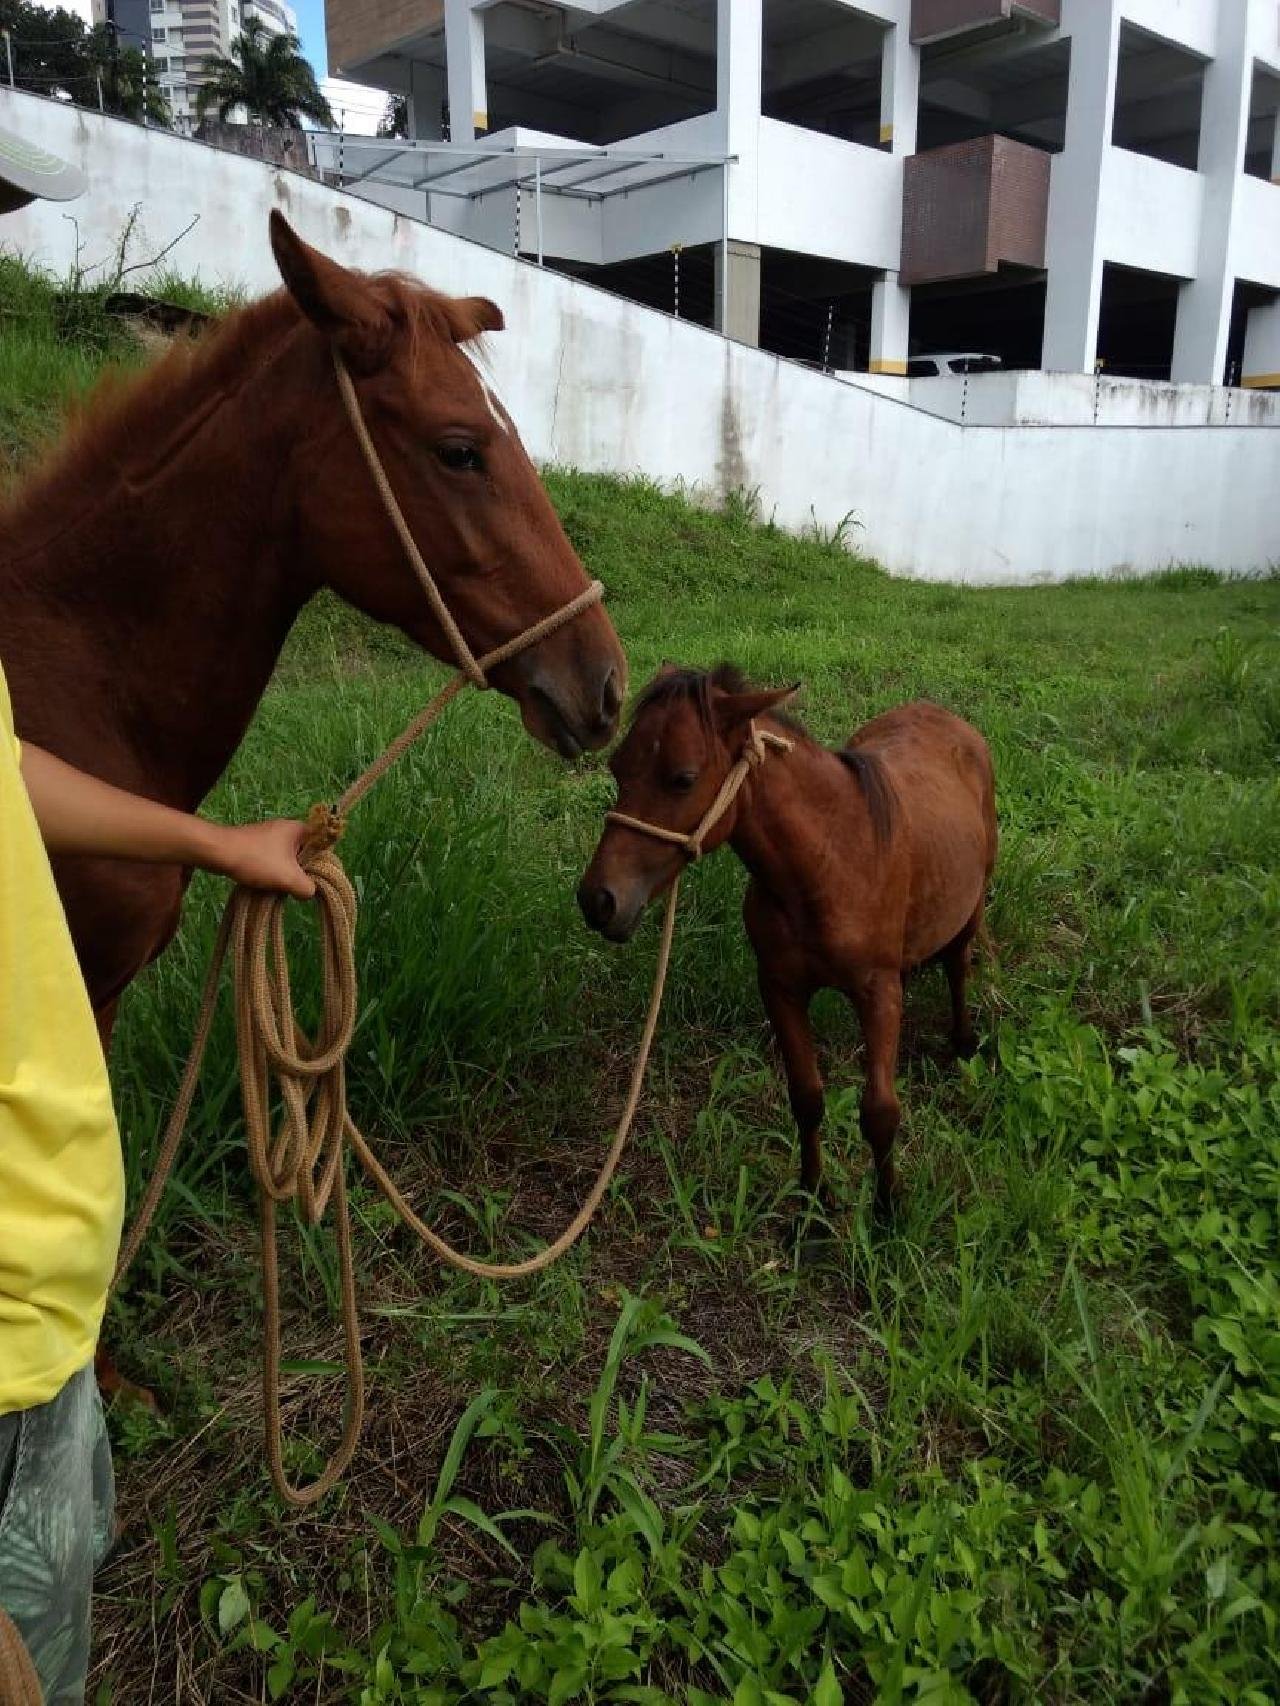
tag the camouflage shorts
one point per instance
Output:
(57, 1521)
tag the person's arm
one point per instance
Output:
(77, 813)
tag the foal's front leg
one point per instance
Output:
(789, 1015)
(878, 997)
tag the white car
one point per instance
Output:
(951, 361)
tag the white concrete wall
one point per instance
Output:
(684, 210)
(822, 195)
(1081, 399)
(1149, 213)
(600, 383)
(1256, 236)
(1192, 24)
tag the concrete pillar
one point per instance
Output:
(425, 97)
(890, 326)
(738, 291)
(464, 49)
(1260, 368)
(899, 109)
(739, 51)
(1275, 149)
(1204, 302)
(899, 90)
(1073, 247)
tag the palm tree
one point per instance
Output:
(267, 75)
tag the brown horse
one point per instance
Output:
(864, 863)
(150, 572)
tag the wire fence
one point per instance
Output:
(827, 331)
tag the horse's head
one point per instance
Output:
(473, 502)
(688, 730)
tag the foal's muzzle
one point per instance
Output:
(613, 916)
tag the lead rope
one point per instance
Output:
(302, 1160)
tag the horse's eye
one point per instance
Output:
(461, 458)
(683, 781)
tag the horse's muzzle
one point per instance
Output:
(574, 719)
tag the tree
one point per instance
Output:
(395, 117)
(267, 75)
(129, 85)
(54, 53)
(48, 49)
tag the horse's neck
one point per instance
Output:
(789, 811)
(143, 621)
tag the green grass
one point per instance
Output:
(1022, 1445)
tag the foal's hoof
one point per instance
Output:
(888, 1200)
(814, 1248)
(812, 1234)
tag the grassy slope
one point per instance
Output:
(1019, 1447)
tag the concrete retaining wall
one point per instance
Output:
(602, 384)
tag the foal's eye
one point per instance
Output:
(683, 781)
(461, 458)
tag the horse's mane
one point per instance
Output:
(877, 789)
(138, 415)
(695, 686)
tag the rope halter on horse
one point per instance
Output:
(475, 669)
(753, 756)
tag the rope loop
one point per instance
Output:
(326, 826)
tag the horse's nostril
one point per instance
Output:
(598, 905)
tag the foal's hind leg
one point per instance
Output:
(957, 962)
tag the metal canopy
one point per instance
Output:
(471, 171)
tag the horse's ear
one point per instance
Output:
(336, 301)
(468, 316)
(733, 711)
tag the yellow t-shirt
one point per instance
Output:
(61, 1171)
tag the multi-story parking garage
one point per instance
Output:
(1056, 183)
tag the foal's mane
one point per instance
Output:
(695, 686)
(130, 418)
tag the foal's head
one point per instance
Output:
(688, 730)
(472, 499)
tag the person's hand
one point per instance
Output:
(265, 856)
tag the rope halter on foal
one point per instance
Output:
(754, 754)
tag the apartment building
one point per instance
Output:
(179, 35)
(1058, 183)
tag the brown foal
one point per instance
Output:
(864, 864)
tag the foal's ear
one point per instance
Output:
(733, 711)
(336, 301)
